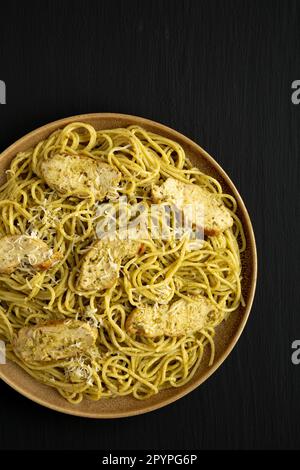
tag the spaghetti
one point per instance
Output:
(167, 270)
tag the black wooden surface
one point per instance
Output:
(220, 72)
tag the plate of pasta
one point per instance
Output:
(127, 265)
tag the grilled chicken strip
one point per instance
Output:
(216, 216)
(183, 317)
(54, 341)
(76, 174)
(19, 249)
(101, 264)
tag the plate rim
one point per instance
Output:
(51, 126)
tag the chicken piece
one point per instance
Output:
(183, 317)
(54, 341)
(79, 174)
(217, 217)
(48, 263)
(23, 249)
(101, 265)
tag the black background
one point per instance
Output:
(220, 72)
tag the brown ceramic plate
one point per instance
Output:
(227, 333)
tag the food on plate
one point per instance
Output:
(18, 250)
(183, 317)
(103, 293)
(102, 263)
(216, 216)
(54, 341)
(77, 175)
